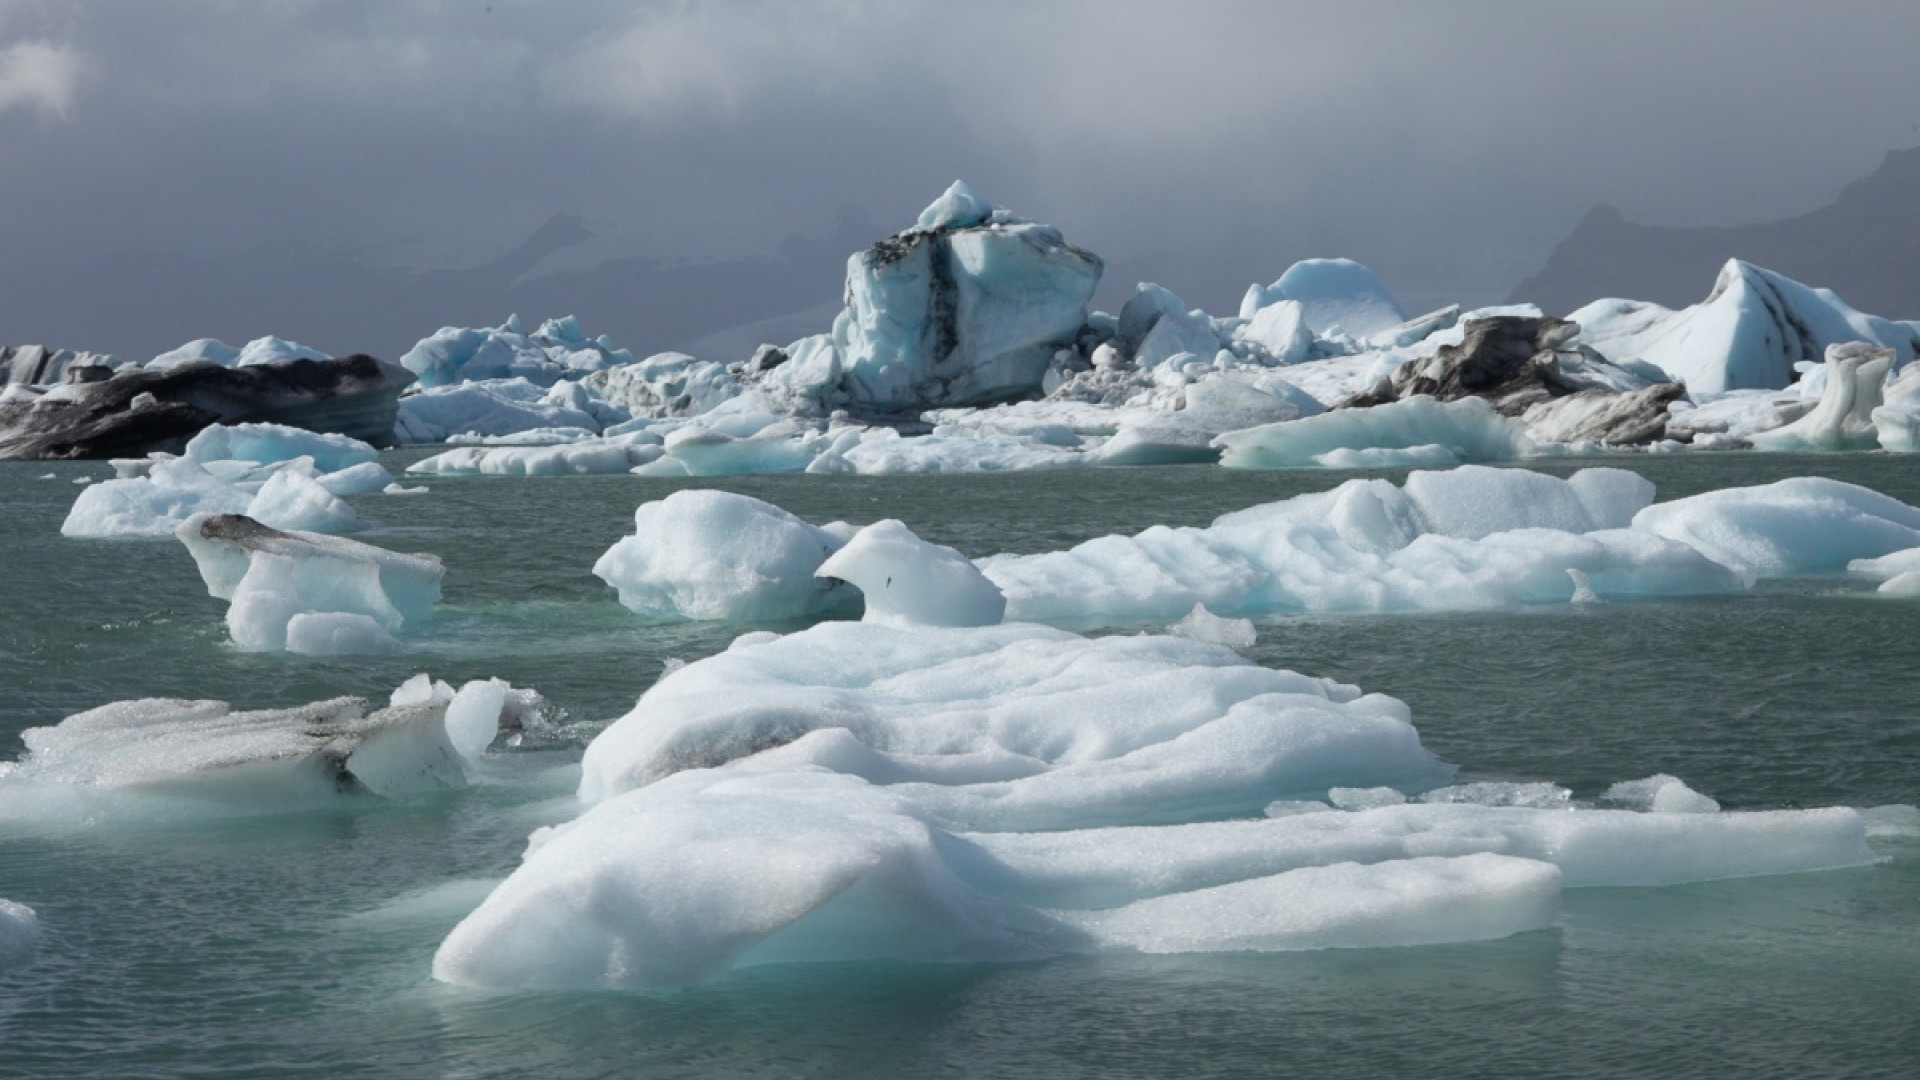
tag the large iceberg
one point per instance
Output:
(309, 593)
(138, 411)
(1749, 333)
(858, 791)
(968, 307)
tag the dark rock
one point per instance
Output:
(767, 357)
(136, 412)
(1602, 416)
(1510, 360)
(1527, 367)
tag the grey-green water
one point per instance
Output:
(300, 945)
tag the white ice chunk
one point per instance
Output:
(853, 791)
(1661, 794)
(289, 500)
(1369, 546)
(153, 505)
(337, 633)
(717, 555)
(1420, 901)
(268, 443)
(1800, 525)
(1844, 418)
(1749, 333)
(1336, 296)
(907, 581)
(1203, 625)
(1897, 420)
(1468, 429)
(270, 576)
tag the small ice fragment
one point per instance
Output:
(401, 489)
(1894, 819)
(1349, 798)
(1662, 794)
(18, 929)
(1538, 796)
(338, 633)
(1203, 625)
(1903, 584)
(1582, 588)
(1292, 807)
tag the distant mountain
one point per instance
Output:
(136, 305)
(1865, 246)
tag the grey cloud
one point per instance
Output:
(1204, 145)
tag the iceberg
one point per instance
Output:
(495, 407)
(138, 411)
(858, 791)
(906, 581)
(558, 350)
(260, 351)
(1749, 332)
(267, 443)
(155, 759)
(1896, 423)
(1471, 538)
(1413, 431)
(1335, 296)
(305, 592)
(717, 555)
(1802, 525)
(1844, 417)
(283, 494)
(969, 311)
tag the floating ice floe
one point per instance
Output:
(1471, 538)
(165, 758)
(856, 791)
(308, 593)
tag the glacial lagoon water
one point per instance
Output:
(299, 945)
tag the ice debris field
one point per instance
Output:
(961, 775)
(967, 344)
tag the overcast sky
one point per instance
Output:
(1201, 144)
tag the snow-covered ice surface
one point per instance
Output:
(858, 791)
